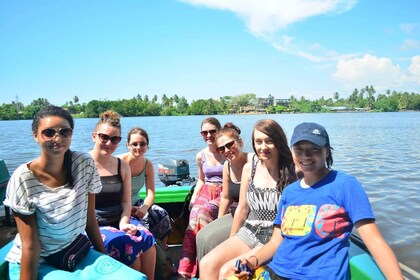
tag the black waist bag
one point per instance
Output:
(69, 257)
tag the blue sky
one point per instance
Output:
(199, 49)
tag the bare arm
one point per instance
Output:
(268, 250)
(200, 181)
(92, 228)
(126, 199)
(31, 248)
(224, 197)
(379, 248)
(150, 191)
(241, 212)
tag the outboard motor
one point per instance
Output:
(174, 172)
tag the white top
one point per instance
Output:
(61, 212)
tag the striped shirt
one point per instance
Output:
(61, 212)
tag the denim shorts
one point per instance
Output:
(254, 236)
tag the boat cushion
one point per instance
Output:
(93, 267)
(363, 267)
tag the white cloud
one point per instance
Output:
(313, 52)
(410, 44)
(367, 70)
(268, 16)
(410, 28)
(264, 17)
(414, 70)
(378, 71)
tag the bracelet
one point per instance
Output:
(256, 261)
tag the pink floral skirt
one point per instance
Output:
(205, 210)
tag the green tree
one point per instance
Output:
(403, 102)
(243, 99)
(182, 106)
(176, 99)
(153, 109)
(155, 98)
(198, 107)
(41, 102)
(167, 102)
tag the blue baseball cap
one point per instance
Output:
(311, 132)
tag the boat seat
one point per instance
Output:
(94, 266)
(363, 267)
(3, 263)
(4, 179)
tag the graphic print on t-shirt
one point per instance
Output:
(298, 220)
(331, 221)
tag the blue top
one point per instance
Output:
(316, 223)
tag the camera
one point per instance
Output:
(242, 267)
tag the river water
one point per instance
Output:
(380, 149)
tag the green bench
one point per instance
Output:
(4, 179)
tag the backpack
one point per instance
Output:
(164, 268)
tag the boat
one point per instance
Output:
(175, 197)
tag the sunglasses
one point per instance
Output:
(222, 149)
(106, 138)
(136, 144)
(50, 133)
(206, 132)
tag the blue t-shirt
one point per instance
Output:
(316, 223)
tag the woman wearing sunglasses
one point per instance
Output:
(206, 198)
(229, 145)
(262, 182)
(155, 218)
(126, 239)
(60, 180)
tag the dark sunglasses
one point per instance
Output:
(222, 149)
(205, 132)
(136, 144)
(50, 133)
(105, 138)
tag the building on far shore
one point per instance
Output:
(260, 104)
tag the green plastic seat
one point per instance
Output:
(169, 194)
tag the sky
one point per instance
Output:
(200, 49)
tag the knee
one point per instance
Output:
(205, 265)
(225, 270)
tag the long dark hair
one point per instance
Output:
(55, 111)
(271, 128)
